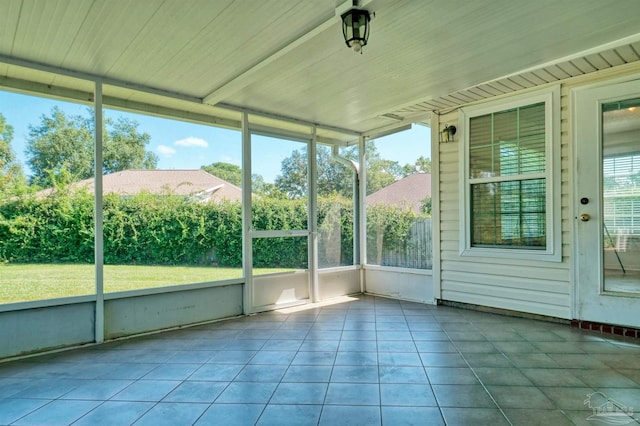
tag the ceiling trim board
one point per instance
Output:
(95, 78)
(288, 119)
(635, 38)
(46, 90)
(170, 113)
(386, 130)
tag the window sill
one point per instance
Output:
(518, 254)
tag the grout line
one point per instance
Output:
(375, 307)
(478, 377)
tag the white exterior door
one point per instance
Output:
(607, 203)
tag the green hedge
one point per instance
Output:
(47, 229)
(173, 230)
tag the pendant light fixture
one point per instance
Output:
(355, 27)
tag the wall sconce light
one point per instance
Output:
(446, 135)
(355, 28)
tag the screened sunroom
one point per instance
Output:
(382, 211)
(110, 218)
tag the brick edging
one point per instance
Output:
(617, 330)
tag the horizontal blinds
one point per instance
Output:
(507, 143)
(621, 188)
(509, 214)
(621, 167)
(621, 173)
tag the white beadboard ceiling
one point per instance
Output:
(287, 58)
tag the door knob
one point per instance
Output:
(585, 217)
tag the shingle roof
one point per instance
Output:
(182, 182)
(408, 191)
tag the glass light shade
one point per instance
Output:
(355, 28)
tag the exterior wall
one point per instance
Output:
(39, 329)
(400, 283)
(338, 282)
(134, 315)
(537, 287)
(275, 291)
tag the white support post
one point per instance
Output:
(362, 234)
(247, 242)
(435, 205)
(312, 224)
(98, 216)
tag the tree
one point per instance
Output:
(124, 147)
(293, 180)
(59, 143)
(336, 178)
(225, 171)
(381, 172)
(267, 189)
(333, 177)
(11, 175)
(421, 165)
(66, 143)
(6, 136)
(427, 205)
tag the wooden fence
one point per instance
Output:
(417, 253)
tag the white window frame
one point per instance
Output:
(553, 250)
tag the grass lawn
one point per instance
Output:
(23, 282)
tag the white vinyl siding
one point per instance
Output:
(523, 285)
(517, 284)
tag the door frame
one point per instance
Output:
(309, 276)
(590, 302)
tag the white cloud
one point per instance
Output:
(166, 151)
(230, 160)
(192, 141)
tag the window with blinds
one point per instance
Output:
(507, 175)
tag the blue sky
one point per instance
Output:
(182, 145)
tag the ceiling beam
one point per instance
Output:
(247, 77)
(292, 120)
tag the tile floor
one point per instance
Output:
(364, 361)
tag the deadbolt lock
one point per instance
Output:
(585, 217)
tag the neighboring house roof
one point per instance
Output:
(197, 183)
(408, 191)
